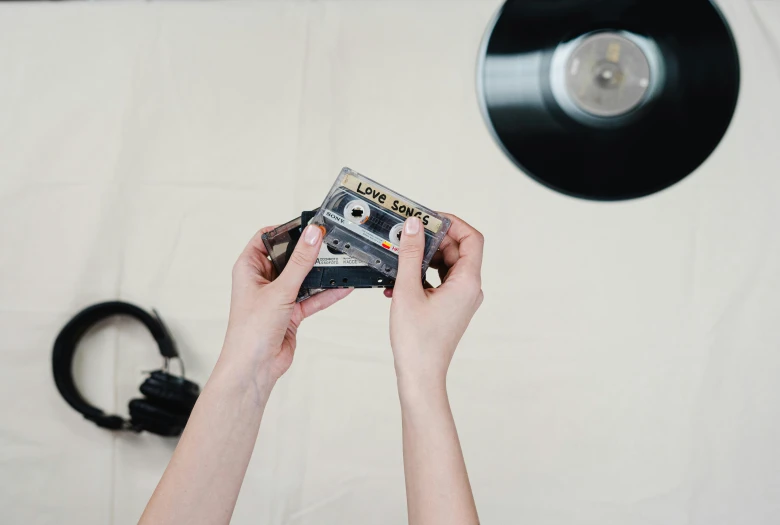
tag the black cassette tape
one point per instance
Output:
(333, 268)
(365, 220)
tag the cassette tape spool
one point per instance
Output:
(365, 220)
(333, 268)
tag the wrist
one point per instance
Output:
(244, 341)
(421, 389)
(420, 371)
(245, 370)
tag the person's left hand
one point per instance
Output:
(264, 316)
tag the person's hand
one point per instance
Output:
(264, 316)
(426, 324)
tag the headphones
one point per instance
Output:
(168, 399)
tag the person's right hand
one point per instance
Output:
(427, 324)
(264, 316)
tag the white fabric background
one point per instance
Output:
(623, 369)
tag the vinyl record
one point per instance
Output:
(608, 99)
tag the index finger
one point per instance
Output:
(470, 243)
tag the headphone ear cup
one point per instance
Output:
(170, 392)
(146, 415)
(168, 402)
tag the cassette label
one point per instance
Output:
(397, 205)
(328, 258)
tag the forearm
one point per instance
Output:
(203, 478)
(437, 484)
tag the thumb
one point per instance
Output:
(409, 278)
(301, 261)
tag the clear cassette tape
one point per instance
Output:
(333, 268)
(364, 219)
(280, 244)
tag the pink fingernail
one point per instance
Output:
(412, 226)
(312, 234)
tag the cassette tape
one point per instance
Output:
(364, 219)
(333, 268)
(280, 244)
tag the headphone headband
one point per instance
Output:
(68, 339)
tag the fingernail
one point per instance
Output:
(412, 226)
(312, 234)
